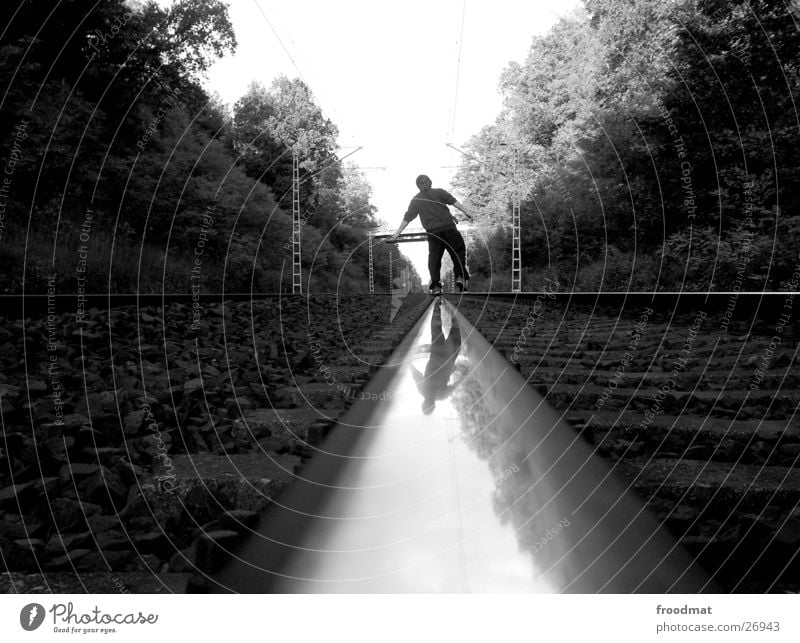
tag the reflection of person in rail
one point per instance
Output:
(434, 384)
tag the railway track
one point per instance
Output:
(489, 490)
(576, 443)
(696, 411)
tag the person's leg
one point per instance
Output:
(457, 250)
(435, 254)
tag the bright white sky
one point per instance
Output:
(385, 74)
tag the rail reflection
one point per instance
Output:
(461, 480)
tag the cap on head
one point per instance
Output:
(423, 182)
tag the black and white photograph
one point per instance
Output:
(380, 300)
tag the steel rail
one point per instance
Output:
(453, 475)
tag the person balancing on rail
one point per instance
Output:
(431, 204)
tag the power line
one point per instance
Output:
(472, 157)
(285, 48)
(294, 62)
(458, 71)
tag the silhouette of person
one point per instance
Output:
(433, 385)
(431, 205)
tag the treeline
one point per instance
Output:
(656, 148)
(122, 174)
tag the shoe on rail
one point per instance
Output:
(461, 285)
(436, 290)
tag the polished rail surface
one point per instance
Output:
(453, 475)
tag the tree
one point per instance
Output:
(264, 157)
(298, 122)
(733, 91)
(192, 34)
(356, 193)
(270, 124)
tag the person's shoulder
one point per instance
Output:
(444, 195)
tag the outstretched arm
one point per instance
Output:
(402, 227)
(459, 206)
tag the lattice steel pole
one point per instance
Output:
(371, 269)
(391, 272)
(516, 254)
(297, 280)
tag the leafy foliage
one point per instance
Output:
(650, 134)
(108, 123)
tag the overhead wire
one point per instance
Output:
(280, 41)
(453, 470)
(299, 54)
(460, 45)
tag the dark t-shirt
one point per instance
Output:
(431, 206)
